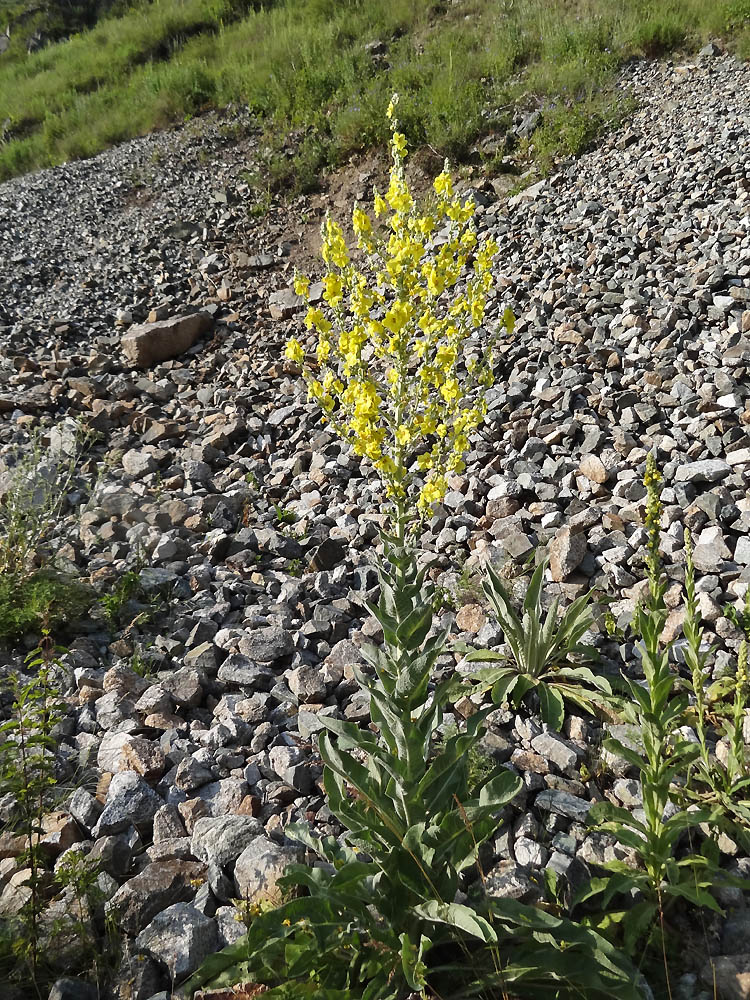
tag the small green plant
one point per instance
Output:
(32, 505)
(285, 515)
(261, 206)
(657, 711)
(444, 597)
(542, 652)
(76, 876)
(32, 592)
(126, 588)
(721, 785)
(469, 588)
(295, 567)
(740, 618)
(27, 771)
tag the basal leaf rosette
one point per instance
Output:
(399, 370)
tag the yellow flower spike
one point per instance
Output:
(399, 382)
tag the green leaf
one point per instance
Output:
(457, 915)
(500, 790)
(415, 970)
(606, 812)
(551, 706)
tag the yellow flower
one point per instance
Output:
(361, 222)
(334, 289)
(333, 248)
(302, 286)
(316, 319)
(397, 316)
(403, 435)
(380, 205)
(398, 142)
(432, 492)
(443, 184)
(294, 351)
(477, 311)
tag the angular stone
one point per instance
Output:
(73, 989)
(528, 853)
(239, 671)
(266, 644)
(729, 975)
(711, 550)
(284, 303)
(556, 749)
(181, 938)
(137, 462)
(130, 801)
(508, 880)
(184, 686)
(191, 774)
(306, 683)
(471, 618)
(563, 804)
(327, 555)
(84, 809)
(566, 552)
(161, 883)
(593, 469)
(742, 551)
(225, 796)
(151, 343)
(220, 840)
(259, 868)
(710, 470)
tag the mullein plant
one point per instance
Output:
(378, 916)
(546, 657)
(657, 710)
(714, 782)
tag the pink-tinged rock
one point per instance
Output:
(593, 469)
(150, 343)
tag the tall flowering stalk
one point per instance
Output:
(393, 374)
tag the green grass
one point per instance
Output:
(302, 65)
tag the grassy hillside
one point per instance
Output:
(309, 66)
